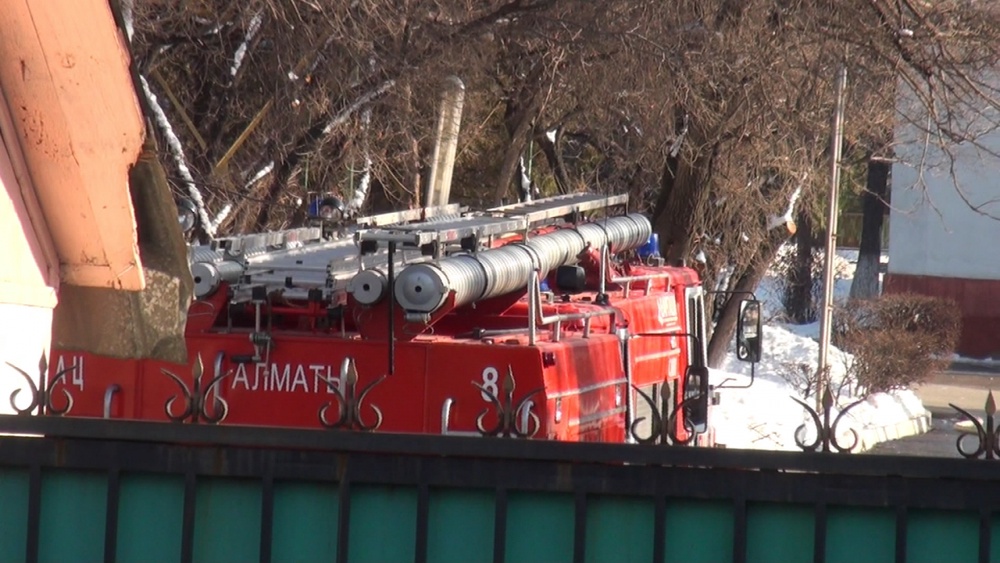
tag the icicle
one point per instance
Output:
(177, 150)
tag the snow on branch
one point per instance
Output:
(177, 151)
(221, 216)
(528, 189)
(127, 7)
(294, 76)
(241, 51)
(347, 112)
(788, 219)
(361, 192)
(264, 171)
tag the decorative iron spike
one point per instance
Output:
(196, 398)
(508, 410)
(41, 397)
(827, 398)
(826, 432)
(349, 400)
(663, 430)
(988, 438)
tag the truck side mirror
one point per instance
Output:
(749, 337)
(696, 389)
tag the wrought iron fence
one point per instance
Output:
(116, 490)
(89, 489)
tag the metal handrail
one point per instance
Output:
(626, 280)
(536, 318)
(446, 421)
(109, 395)
(446, 414)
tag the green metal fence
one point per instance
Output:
(127, 491)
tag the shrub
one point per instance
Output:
(898, 340)
(803, 377)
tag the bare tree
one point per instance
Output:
(711, 114)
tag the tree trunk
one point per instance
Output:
(667, 179)
(725, 327)
(413, 180)
(682, 200)
(520, 127)
(416, 171)
(509, 167)
(798, 292)
(865, 283)
(553, 154)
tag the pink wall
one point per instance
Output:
(65, 80)
(28, 268)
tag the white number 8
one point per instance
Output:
(490, 378)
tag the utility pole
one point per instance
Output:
(826, 320)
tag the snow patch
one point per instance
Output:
(764, 416)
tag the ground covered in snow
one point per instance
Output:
(764, 415)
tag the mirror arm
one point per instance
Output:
(753, 373)
(753, 365)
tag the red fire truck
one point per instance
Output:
(553, 319)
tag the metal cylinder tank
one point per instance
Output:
(209, 275)
(425, 287)
(368, 287)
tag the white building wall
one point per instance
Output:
(28, 281)
(24, 339)
(934, 229)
